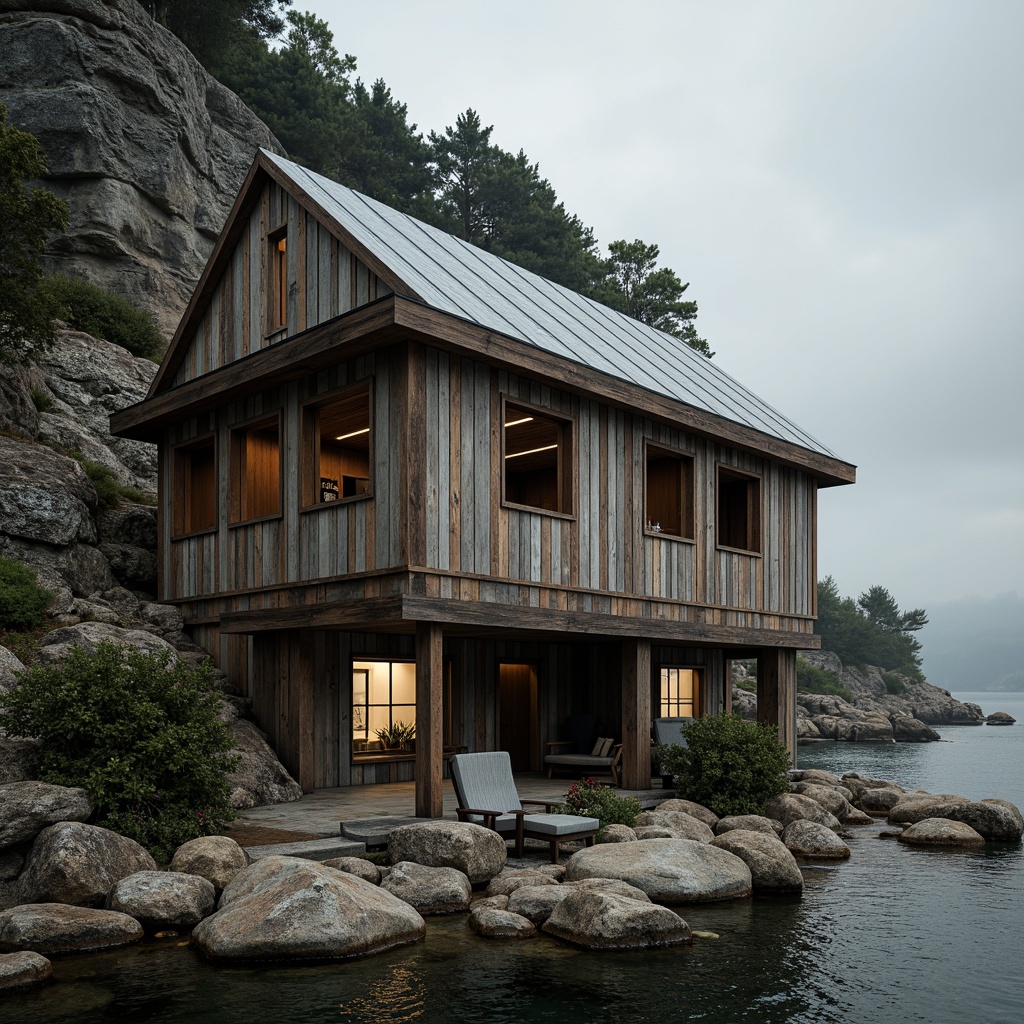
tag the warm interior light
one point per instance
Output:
(532, 451)
(515, 423)
(355, 433)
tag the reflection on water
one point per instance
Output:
(895, 934)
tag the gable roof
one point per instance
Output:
(457, 278)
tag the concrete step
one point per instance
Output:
(310, 849)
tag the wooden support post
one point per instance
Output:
(429, 692)
(636, 714)
(300, 687)
(776, 693)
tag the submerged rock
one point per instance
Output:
(773, 868)
(1000, 718)
(605, 920)
(58, 928)
(941, 832)
(19, 970)
(493, 923)
(812, 840)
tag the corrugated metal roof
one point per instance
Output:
(458, 278)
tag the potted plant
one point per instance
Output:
(398, 736)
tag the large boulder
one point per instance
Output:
(509, 880)
(941, 832)
(145, 146)
(914, 807)
(814, 841)
(57, 928)
(749, 823)
(605, 920)
(259, 777)
(828, 796)
(668, 870)
(365, 869)
(773, 868)
(163, 899)
(997, 820)
(788, 807)
(476, 851)
(430, 890)
(283, 907)
(695, 810)
(678, 823)
(77, 864)
(18, 970)
(496, 923)
(26, 808)
(879, 801)
(58, 643)
(216, 858)
(907, 729)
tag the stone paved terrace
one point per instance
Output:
(322, 811)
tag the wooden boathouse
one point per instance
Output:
(404, 482)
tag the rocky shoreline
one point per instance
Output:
(71, 887)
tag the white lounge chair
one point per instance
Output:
(487, 795)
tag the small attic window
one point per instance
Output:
(277, 279)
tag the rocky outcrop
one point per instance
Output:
(146, 148)
(282, 907)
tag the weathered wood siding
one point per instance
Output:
(324, 279)
(326, 541)
(602, 546)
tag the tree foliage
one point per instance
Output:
(27, 218)
(730, 766)
(871, 630)
(140, 735)
(632, 282)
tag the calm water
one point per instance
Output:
(893, 935)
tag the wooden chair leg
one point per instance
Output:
(554, 851)
(519, 836)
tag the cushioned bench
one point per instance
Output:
(583, 764)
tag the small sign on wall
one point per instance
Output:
(328, 489)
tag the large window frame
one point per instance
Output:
(538, 459)
(680, 691)
(376, 682)
(256, 470)
(337, 448)
(194, 506)
(668, 492)
(738, 510)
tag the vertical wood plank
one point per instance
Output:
(429, 720)
(636, 714)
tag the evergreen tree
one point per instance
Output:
(631, 282)
(27, 217)
(464, 159)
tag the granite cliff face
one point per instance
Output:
(146, 148)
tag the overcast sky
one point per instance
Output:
(843, 185)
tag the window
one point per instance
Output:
(277, 279)
(195, 487)
(337, 447)
(256, 471)
(383, 700)
(669, 492)
(537, 453)
(739, 510)
(679, 693)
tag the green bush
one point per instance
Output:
(731, 766)
(41, 400)
(590, 799)
(811, 679)
(139, 734)
(90, 308)
(23, 602)
(893, 683)
(106, 485)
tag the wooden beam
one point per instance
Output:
(635, 766)
(776, 693)
(365, 613)
(429, 718)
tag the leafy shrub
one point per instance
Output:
(893, 683)
(731, 766)
(590, 799)
(140, 735)
(23, 602)
(90, 308)
(811, 679)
